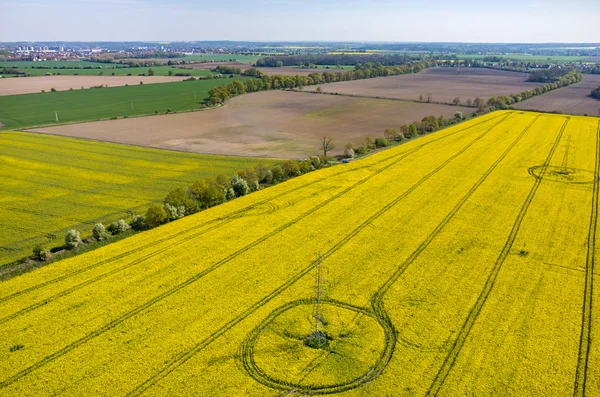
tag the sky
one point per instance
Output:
(506, 21)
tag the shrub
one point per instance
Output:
(229, 194)
(305, 166)
(53, 89)
(458, 115)
(118, 227)
(268, 178)
(173, 212)
(290, 169)
(277, 174)
(361, 150)
(41, 253)
(390, 134)
(239, 186)
(412, 130)
(179, 197)
(316, 162)
(138, 223)
(72, 239)
(381, 142)
(99, 232)
(155, 216)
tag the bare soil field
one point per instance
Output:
(277, 124)
(444, 84)
(574, 99)
(27, 85)
(283, 71)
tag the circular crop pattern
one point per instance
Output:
(558, 174)
(289, 351)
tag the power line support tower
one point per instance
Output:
(564, 166)
(318, 336)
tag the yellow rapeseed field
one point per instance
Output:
(51, 184)
(461, 263)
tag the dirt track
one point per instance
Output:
(275, 124)
(574, 99)
(443, 83)
(26, 85)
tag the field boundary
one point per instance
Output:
(384, 98)
(586, 321)
(465, 330)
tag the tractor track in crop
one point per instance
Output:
(246, 351)
(489, 285)
(185, 356)
(579, 389)
(227, 220)
(48, 359)
(125, 316)
(377, 301)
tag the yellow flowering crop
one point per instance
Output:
(50, 184)
(461, 263)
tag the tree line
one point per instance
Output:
(504, 102)
(219, 95)
(547, 75)
(333, 59)
(390, 136)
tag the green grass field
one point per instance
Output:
(112, 71)
(28, 110)
(51, 184)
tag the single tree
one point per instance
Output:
(412, 130)
(456, 101)
(72, 239)
(326, 144)
(239, 186)
(276, 174)
(156, 215)
(261, 171)
(99, 232)
(479, 103)
(290, 169)
(391, 134)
